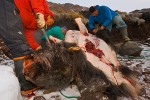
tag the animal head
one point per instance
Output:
(37, 64)
(49, 63)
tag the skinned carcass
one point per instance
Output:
(107, 62)
(56, 67)
(9, 84)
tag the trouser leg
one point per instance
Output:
(121, 26)
(124, 34)
(109, 27)
(25, 85)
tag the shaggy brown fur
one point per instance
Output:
(56, 67)
(128, 74)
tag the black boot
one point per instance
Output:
(25, 85)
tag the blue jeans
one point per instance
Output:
(11, 29)
(118, 21)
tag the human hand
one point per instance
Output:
(55, 40)
(40, 20)
(94, 31)
(102, 28)
(49, 21)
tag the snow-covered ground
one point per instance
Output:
(141, 67)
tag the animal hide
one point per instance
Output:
(56, 67)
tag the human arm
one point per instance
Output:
(91, 22)
(49, 16)
(55, 40)
(107, 15)
(51, 37)
(81, 26)
(42, 13)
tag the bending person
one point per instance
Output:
(56, 34)
(106, 17)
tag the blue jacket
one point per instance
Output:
(104, 17)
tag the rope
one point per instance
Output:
(68, 96)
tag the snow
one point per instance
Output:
(71, 91)
(9, 84)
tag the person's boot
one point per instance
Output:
(26, 86)
(124, 34)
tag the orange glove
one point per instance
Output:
(50, 21)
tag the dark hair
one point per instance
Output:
(92, 9)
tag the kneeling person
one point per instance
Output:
(56, 34)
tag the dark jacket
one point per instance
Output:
(11, 29)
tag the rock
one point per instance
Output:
(140, 21)
(142, 92)
(138, 65)
(39, 98)
(129, 48)
(143, 98)
(128, 63)
(147, 79)
(136, 20)
(147, 69)
(137, 71)
(146, 72)
(137, 14)
(146, 16)
(5, 49)
(148, 41)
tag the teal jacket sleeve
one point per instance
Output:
(60, 36)
(58, 33)
(108, 16)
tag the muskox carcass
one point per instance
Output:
(55, 67)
